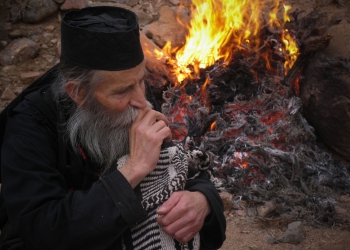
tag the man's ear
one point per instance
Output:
(76, 92)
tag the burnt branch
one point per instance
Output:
(308, 48)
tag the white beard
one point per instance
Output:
(104, 135)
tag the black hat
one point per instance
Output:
(103, 38)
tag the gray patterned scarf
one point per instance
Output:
(169, 176)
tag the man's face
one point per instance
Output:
(101, 123)
(121, 89)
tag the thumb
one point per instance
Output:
(169, 204)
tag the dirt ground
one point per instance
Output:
(242, 232)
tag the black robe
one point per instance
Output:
(53, 196)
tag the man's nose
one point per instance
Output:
(138, 98)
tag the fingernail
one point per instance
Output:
(161, 209)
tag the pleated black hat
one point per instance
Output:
(102, 38)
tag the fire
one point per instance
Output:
(291, 49)
(218, 28)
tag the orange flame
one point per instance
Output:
(212, 126)
(291, 50)
(218, 27)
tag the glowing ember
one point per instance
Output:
(212, 126)
(219, 28)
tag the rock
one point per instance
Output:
(341, 212)
(325, 91)
(345, 198)
(100, 3)
(145, 30)
(73, 4)
(16, 34)
(53, 41)
(3, 38)
(44, 46)
(7, 26)
(158, 5)
(7, 95)
(3, 43)
(147, 7)
(49, 28)
(227, 200)
(48, 58)
(38, 10)
(30, 74)
(126, 2)
(167, 28)
(18, 90)
(8, 68)
(239, 204)
(268, 207)
(342, 209)
(339, 44)
(186, 3)
(59, 1)
(174, 2)
(35, 35)
(47, 35)
(252, 211)
(271, 240)
(15, 14)
(5, 81)
(142, 16)
(294, 234)
(241, 213)
(253, 247)
(19, 50)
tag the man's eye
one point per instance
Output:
(120, 92)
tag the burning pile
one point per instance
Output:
(229, 101)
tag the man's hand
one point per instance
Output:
(183, 215)
(146, 136)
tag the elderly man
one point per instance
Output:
(63, 186)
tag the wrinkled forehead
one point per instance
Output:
(124, 77)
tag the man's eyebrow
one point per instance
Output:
(124, 87)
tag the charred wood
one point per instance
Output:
(308, 48)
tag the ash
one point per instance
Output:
(262, 147)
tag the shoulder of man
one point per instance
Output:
(43, 107)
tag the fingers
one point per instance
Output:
(142, 113)
(178, 219)
(150, 116)
(169, 204)
(163, 130)
(185, 235)
(184, 228)
(154, 123)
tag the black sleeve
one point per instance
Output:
(41, 211)
(214, 228)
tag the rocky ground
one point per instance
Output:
(30, 45)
